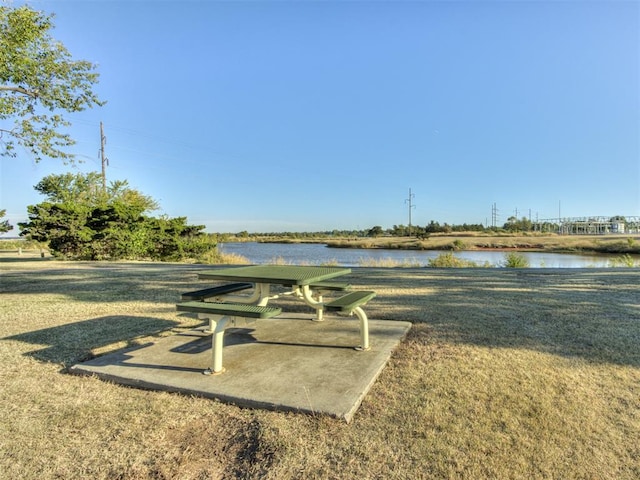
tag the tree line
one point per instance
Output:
(513, 225)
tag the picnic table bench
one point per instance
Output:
(220, 315)
(304, 283)
(216, 292)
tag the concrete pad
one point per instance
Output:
(287, 363)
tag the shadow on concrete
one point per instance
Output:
(273, 365)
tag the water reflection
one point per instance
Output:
(315, 254)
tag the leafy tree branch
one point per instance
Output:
(39, 81)
(5, 226)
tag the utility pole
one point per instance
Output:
(103, 158)
(494, 215)
(409, 201)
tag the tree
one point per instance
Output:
(86, 189)
(399, 231)
(83, 221)
(5, 226)
(38, 80)
(375, 231)
(515, 225)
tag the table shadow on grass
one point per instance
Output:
(75, 342)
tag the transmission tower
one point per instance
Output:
(494, 215)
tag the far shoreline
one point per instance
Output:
(575, 244)
(609, 244)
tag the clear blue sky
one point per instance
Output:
(306, 116)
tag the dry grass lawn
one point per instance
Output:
(506, 373)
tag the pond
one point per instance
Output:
(317, 254)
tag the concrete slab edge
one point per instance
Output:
(347, 416)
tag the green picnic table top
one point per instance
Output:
(275, 274)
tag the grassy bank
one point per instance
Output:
(505, 374)
(542, 243)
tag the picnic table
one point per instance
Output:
(307, 283)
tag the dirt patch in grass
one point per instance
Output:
(517, 373)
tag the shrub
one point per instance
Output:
(457, 244)
(449, 260)
(515, 260)
(622, 261)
